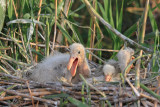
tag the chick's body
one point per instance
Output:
(62, 65)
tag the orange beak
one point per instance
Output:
(108, 78)
(72, 65)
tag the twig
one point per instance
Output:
(144, 103)
(8, 98)
(23, 104)
(133, 88)
(148, 97)
(4, 102)
(4, 70)
(116, 32)
(55, 87)
(62, 46)
(126, 100)
(30, 93)
(108, 50)
(96, 56)
(120, 94)
(45, 93)
(28, 96)
(149, 104)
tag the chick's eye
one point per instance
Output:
(79, 52)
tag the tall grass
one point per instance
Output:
(18, 36)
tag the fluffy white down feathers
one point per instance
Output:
(112, 68)
(54, 67)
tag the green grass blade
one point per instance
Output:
(152, 20)
(106, 8)
(82, 92)
(62, 95)
(104, 15)
(117, 15)
(76, 102)
(130, 30)
(65, 33)
(120, 18)
(76, 36)
(10, 10)
(79, 8)
(24, 21)
(47, 38)
(110, 14)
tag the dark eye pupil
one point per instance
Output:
(78, 52)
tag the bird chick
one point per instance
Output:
(78, 62)
(62, 65)
(111, 71)
(113, 68)
(124, 58)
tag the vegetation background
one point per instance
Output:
(32, 29)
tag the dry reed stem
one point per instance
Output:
(55, 87)
(128, 100)
(8, 104)
(28, 96)
(65, 11)
(21, 35)
(23, 104)
(49, 91)
(138, 63)
(141, 41)
(148, 97)
(144, 103)
(112, 92)
(55, 26)
(93, 34)
(3, 69)
(7, 48)
(9, 97)
(30, 93)
(120, 94)
(8, 65)
(62, 46)
(40, 3)
(149, 104)
(133, 88)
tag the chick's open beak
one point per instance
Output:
(108, 78)
(72, 65)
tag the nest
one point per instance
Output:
(16, 91)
